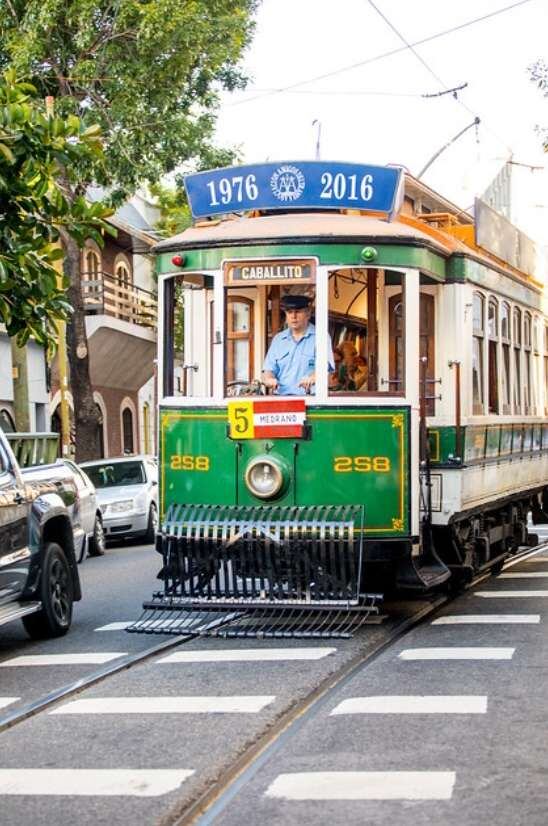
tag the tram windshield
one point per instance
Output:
(270, 328)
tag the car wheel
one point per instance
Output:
(56, 593)
(97, 543)
(152, 527)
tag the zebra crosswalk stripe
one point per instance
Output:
(94, 782)
(245, 704)
(363, 785)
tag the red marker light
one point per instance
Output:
(178, 260)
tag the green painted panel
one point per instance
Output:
(206, 475)
(365, 461)
(354, 456)
(415, 257)
(493, 441)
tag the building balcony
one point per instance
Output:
(121, 324)
(105, 295)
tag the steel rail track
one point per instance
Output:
(213, 801)
(217, 796)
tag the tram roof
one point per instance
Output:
(287, 227)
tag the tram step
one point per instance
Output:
(17, 610)
(416, 577)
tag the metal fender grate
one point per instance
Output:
(290, 555)
(260, 571)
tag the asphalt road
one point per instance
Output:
(141, 745)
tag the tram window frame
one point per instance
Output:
(536, 378)
(232, 335)
(505, 342)
(478, 359)
(492, 356)
(377, 326)
(176, 363)
(517, 371)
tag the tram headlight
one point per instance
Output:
(265, 477)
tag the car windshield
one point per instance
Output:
(116, 474)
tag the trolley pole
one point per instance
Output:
(61, 343)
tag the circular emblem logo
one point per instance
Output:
(287, 183)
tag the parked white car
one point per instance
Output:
(127, 492)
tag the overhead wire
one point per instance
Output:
(434, 74)
(382, 56)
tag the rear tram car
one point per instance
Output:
(414, 458)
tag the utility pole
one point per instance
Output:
(61, 344)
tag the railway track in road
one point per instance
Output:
(209, 800)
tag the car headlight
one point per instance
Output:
(265, 477)
(121, 507)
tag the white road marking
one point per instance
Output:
(247, 655)
(479, 653)
(93, 658)
(414, 704)
(510, 594)
(526, 575)
(167, 705)
(488, 619)
(96, 782)
(363, 786)
(114, 626)
(6, 701)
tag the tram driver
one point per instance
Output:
(290, 364)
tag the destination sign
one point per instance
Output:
(295, 185)
(273, 272)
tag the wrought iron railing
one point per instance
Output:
(104, 294)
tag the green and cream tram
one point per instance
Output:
(423, 442)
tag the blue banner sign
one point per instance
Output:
(295, 185)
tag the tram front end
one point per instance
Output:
(272, 530)
(288, 384)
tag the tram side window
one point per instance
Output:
(505, 341)
(493, 335)
(477, 353)
(546, 371)
(527, 398)
(367, 330)
(188, 336)
(516, 338)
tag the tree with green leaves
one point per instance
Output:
(149, 72)
(539, 75)
(34, 210)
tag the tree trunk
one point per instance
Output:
(86, 415)
(20, 387)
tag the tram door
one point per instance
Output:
(427, 345)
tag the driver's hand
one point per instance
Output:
(270, 382)
(307, 382)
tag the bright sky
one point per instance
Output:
(374, 113)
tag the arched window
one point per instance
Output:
(477, 353)
(239, 333)
(127, 431)
(92, 264)
(122, 273)
(516, 341)
(505, 342)
(6, 421)
(493, 336)
(100, 433)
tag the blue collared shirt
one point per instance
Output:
(290, 360)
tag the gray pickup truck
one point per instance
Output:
(39, 579)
